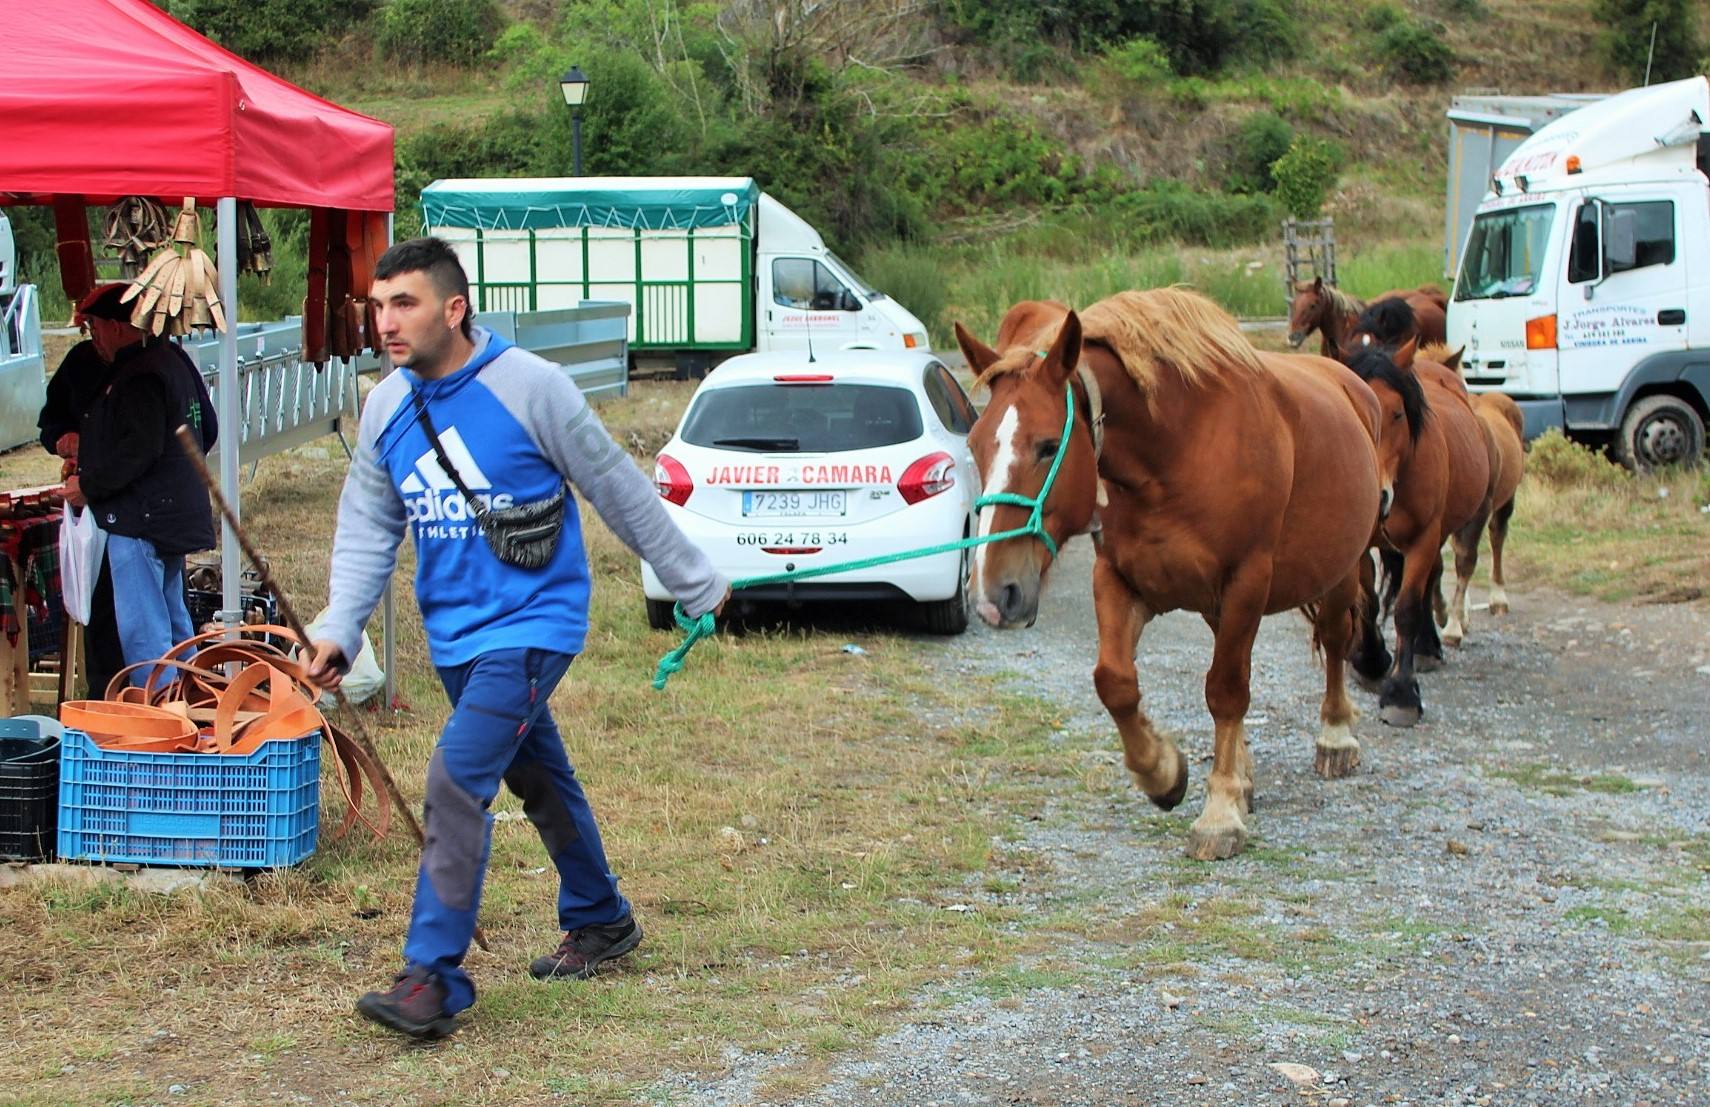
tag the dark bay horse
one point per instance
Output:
(1438, 454)
(1391, 321)
(1334, 314)
(1230, 483)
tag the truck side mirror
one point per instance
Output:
(1620, 241)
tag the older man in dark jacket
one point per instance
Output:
(131, 472)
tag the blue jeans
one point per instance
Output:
(500, 730)
(148, 600)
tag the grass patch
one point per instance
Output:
(1591, 528)
(1543, 778)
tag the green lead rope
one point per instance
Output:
(704, 626)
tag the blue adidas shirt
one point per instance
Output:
(516, 428)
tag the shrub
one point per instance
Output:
(1381, 17)
(1557, 460)
(1626, 42)
(273, 30)
(457, 31)
(1417, 52)
(909, 277)
(1140, 60)
(1170, 210)
(1258, 142)
(1305, 175)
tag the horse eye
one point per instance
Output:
(1048, 449)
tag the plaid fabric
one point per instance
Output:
(32, 543)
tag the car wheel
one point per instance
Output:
(950, 616)
(1659, 431)
(659, 615)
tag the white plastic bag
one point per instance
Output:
(82, 545)
(365, 677)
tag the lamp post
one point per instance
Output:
(574, 85)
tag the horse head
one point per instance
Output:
(1306, 311)
(1401, 399)
(1037, 463)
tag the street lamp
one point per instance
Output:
(574, 85)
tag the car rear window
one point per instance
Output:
(803, 418)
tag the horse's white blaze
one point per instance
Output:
(1003, 465)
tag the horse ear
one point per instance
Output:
(979, 355)
(1453, 361)
(1318, 284)
(1065, 352)
(1403, 357)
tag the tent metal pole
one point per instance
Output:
(230, 413)
(388, 612)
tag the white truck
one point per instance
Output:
(23, 383)
(1584, 282)
(711, 266)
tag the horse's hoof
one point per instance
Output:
(1217, 844)
(1497, 607)
(1336, 762)
(1453, 640)
(1399, 715)
(1169, 800)
(1425, 663)
(1374, 685)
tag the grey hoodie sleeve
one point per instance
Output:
(365, 546)
(544, 399)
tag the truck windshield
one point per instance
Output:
(866, 290)
(1505, 253)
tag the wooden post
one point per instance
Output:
(1309, 250)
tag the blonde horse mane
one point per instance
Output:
(1440, 353)
(1342, 303)
(1171, 328)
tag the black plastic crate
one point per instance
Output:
(29, 792)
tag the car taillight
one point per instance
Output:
(672, 480)
(927, 477)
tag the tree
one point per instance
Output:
(1627, 40)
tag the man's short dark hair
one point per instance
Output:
(436, 258)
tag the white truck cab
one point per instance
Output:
(1584, 283)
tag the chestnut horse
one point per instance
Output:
(1228, 482)
(1439, 456)
(1333, 313)
(1506, 427)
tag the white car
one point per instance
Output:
(784, 463)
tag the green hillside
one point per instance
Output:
(964, 153)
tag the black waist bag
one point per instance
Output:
(524, 536)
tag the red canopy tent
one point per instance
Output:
(107, 98)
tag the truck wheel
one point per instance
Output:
(659, 615)
(1658, 431)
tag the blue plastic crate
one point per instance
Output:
(261, 811)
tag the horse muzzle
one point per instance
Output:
(1295, 338)
(1009, 604)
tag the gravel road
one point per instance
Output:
(1508, 904)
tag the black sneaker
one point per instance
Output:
(583, 951)
(413, 1005)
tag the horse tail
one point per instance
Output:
(1393, 563)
